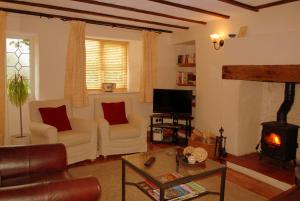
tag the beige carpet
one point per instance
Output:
(109, 175)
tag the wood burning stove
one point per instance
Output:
(279, 138)
(279, 141)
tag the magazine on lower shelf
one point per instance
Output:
(176, 193)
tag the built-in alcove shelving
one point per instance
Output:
(186, 67)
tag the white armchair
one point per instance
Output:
(80, 142)
(121, 138)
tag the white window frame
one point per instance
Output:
(33, 60)
(93, 91)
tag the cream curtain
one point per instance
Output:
(2, 75)
(75, 85)
(148, 72)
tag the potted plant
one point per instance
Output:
(18, 92)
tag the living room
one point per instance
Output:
(270, 38)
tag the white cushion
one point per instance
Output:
(73, 138)
(123, 131)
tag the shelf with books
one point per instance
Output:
(186, 59)
(186, 78)
(164, 133)
(164, 128)
(187, 65)
(186, 68)
(176, 193)
(186, 85)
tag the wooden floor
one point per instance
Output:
(265, 166)
(242, 180)
(252, 184)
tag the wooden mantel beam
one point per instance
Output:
(264, 73)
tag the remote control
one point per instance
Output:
(149, 162)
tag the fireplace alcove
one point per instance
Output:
(277, 74)
(279, 138)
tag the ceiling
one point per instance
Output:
(96, 11)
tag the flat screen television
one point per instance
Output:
(172, 101)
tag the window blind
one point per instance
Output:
(106, 62)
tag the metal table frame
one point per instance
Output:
(176, 182)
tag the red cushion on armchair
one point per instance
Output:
(114, 113)
(57, 117)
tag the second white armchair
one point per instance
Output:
(122, 138)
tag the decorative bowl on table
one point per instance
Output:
(193, 156)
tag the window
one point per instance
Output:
(18, 59)
(106, 62)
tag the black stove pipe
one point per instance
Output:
(289, 96)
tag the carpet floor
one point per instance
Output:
(109, 176)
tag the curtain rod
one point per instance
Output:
(89, 21)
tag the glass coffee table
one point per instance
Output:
(168, 172)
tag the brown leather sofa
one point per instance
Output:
(39, 173)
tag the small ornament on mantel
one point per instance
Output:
(220, 148)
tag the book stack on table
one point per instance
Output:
(176, 193)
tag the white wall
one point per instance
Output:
(239, 106)
(52, 37)
(272, 38)
(252, 96)
(166, 63)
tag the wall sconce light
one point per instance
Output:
(217, 41)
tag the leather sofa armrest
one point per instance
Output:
(87, 189)
(42, 133)
(31, 159)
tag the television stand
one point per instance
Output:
(162, 132)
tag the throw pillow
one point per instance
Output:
(114, 113)
(57, 117)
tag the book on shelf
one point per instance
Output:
(183, 78)
(186, 59)
(186, 78)
(176, 193)
(148, 187)
(179, 59)
(182, 59)
(191, 78)
(178, 78)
